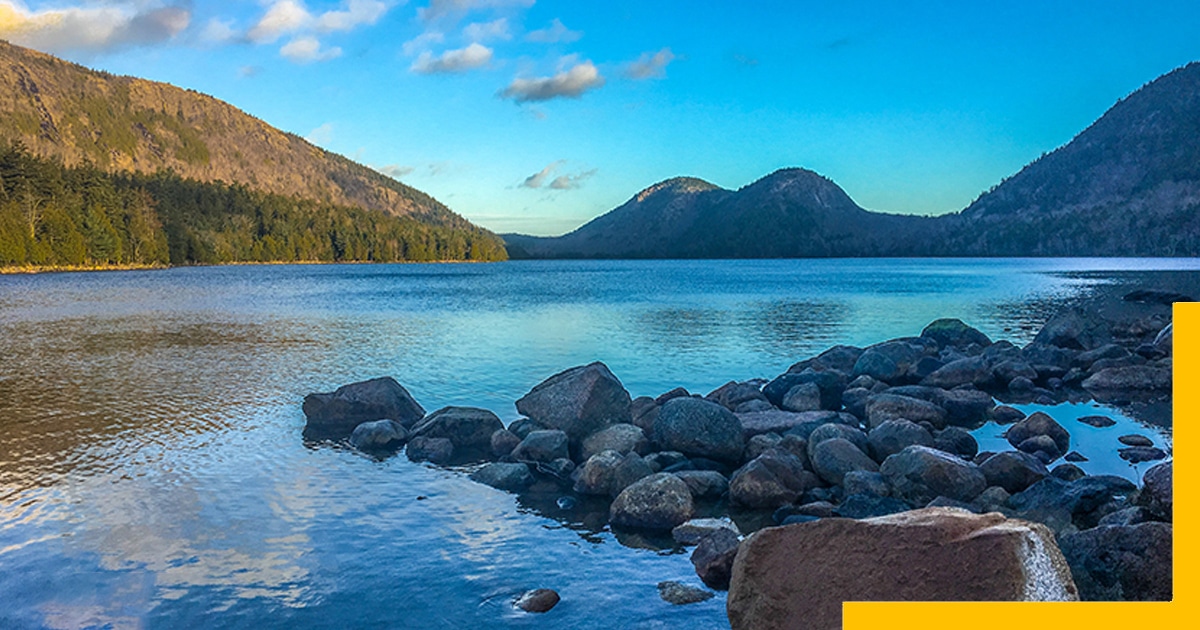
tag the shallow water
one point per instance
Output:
(152, 472)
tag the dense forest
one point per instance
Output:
(57, 216)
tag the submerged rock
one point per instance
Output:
(334, 415)
(502, 476)
(433, 450)
(378, 435)
(537, 601)
(682, 594)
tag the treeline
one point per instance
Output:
(57, 216)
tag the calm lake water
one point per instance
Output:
(152, 472)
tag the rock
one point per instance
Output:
(1164, 340)
(561, 468)
(333, 416)
(701, 428)
(1139, 454)
(1022, 385)
(542, 446)
(714, 557)
(1075, 328)
(1061, 504)
(956, 441)
(658, 502)
(884, 407)
(1099, 422)
(664, 459)
(1068, 472)
(1126, 517)
(798, 576)
(1006, 371)
(967, 407)
(468, 428)
(1122, 563)
(578, 401)
(704, 484)
(992, 499)
(893, 436)
(782, 422)
(732, 394)
(426, 449)
(832, 430)
(1157, 491)
(832, 459)
(1075, 456)
(855, 400)
(1014, 471)
(802, 397)
(503, 443)
(622, 438)
(1007, 415)
(682, 594)
(1037, 424)
(973, 370)
(953, 332)
(1134, 439)
(770, 480)
(865, 482)
(919, 474)
(1107, 351)
(537, 601)
(691, 532)
(759, 444)
(678, 392)
(1041, 447)
(947, 502)
(508, 477)
(1140, 378)
(607, 473)
(378, 435)
(830, 385)
(840, 358)
(1154, 296)
(870, 506)
(751, 406)
(890, 361)
(522, 427)
(644, 411)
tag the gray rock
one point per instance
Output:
(333, 416)
(578, 401)
(830, 385)
(1121, 563)
(770, 480)
(732, 394)
(1099, 422)
(378, 435)
(1068, 472)
(678, 392)
(890, 361)
(953, 332)
(468, 428)
(1006, 371)
(682, 594)
(920, 474)
(644, 411)
(522, 427)
(508, 477)
(782, 422)
(701, 428)
(832, 459)
(802, 397)
(664, 459)
(865, 482)
(863, 505)
(1064, 505)
(1007, 415)
(893, 436)
(1157, 491)
(537, 601)
(1036, 424)
(503, 443)
(714, 557)
(751, 406)
(992, 499)
(1135, 439)
(704, 484)
(760, 444)
(973, 370)
(855, 400)
(658, 502)
(426, 449)
(956, 441)
(1126, 517)
(542, 446)
(833, 430)
(1075, 328)
(622, 438)
(884, 407)
(1139, 454)
(840, 358)
(1014, 471)
(693, 531)
(1107, 351)
(607, 473)
(1042, 447)
(1141, 378)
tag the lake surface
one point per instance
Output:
(152, 472)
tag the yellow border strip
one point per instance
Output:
(1009, 615)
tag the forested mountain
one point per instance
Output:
(1129, 185)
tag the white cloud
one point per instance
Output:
(218, 32)
(395, 171)
(542, 178)
(422, 41)
(538, 179)
(281, 18)
(111, 26)
(650, 65)
(570, 83)
(487, 31)
(356, 13)
(570, 182)
(554, 33)
(308, 49)
(321, 135)
(459, 60)
(442, 8)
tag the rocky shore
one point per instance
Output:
(862, 456)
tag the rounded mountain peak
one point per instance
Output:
(677, 186)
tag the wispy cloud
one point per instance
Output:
(322, 135)
(546, 178)
(395, 171)
(422, 41)
(571, 83)
(458, 60)
(555, 33)
(308, 49)
(438, 9)
(650, 65)
(356, 13)
(570, 182)
(281, 18)
(487, 31)
(89, 28)
(538, 179)
(292, 17)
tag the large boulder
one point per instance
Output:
(704, 484)
(578, 401)
(970, 370)
(1121, 563)
(830, 385)
(1075, 328)
(714, 557)
(832, 459)
(919, 474)
(797, 576)
(1013, 470)
(658, 502)
(468, 428)
(891, 361)
(699, 428)
(333, 416)
(1157, 491)
(953, 332)
(1132, 378)
(893, 436)
(542, 446)
(833, 430)
(378, 435)
(733, 394)
(770, 480)
(622, 438)
(884, 407)
(1037, 424)
(1068, 505)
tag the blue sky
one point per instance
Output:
(536, 116)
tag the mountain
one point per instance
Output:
(1128, 185)
(75, 115)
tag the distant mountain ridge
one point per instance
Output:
(1128, 185)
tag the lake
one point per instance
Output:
(152, 472)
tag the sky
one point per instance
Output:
(536, 116)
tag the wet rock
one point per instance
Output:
(1126, 517)
(798, 576)
(870, 506)
(468, 428)
(542, 446)
(956, 441)
(1139, 454)
(1117, 563)
(522, 427)
(693, 531)
(1006, 371)
(884, 407)
(701, 428)
(1075, 456)
(832, 459)
(435, 450)
(512, 477)
(953, 332)
(1068, 472)
(560, 469)
(920, 474)
(865, 482)
(783, 422)
(1075, 328)
(1007, 415)
(1099, 422)
(802, 397)
(830, 385)
(1157, 491)
(607, 473)
(704, 484)
(378, 435)
(890, 361)
(503, 443)
(537, 601)
(664, 459)
(1037, 424)
(893, 436)
(759, 444)
(833, 430)
(714, 558)
(973, 370)
(682, 594)
(658, 502)
(1134, 439)
(644, 411)
(622, 438)
(1041, 447)
(1139, 378)
(1014, 471)
(678, 392)
(334, 415)
(578, 401)
(732, 394)
(770, 480)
